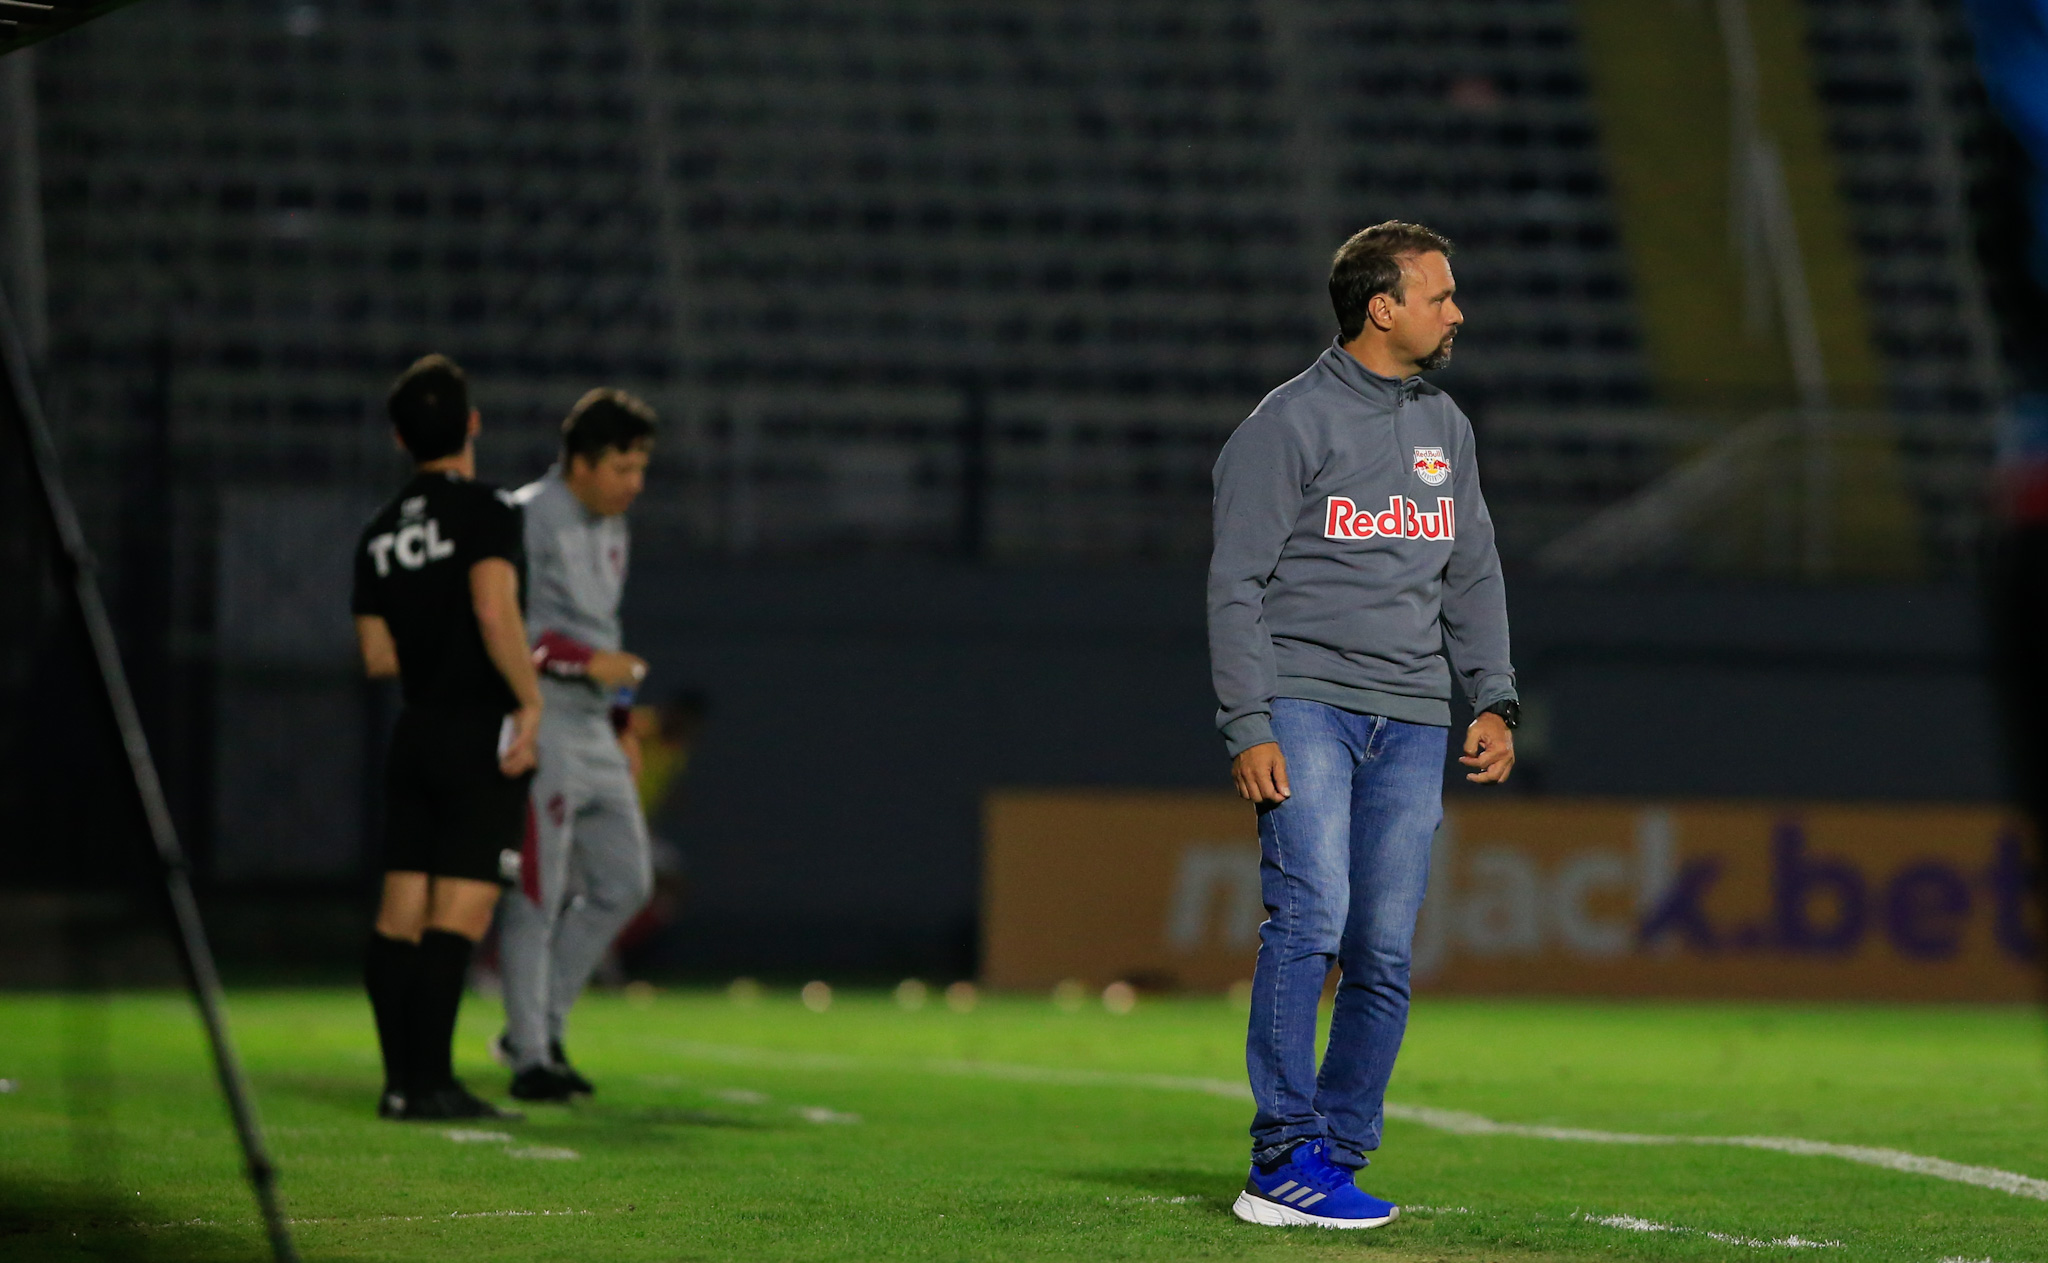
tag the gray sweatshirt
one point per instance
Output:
(1353, 554)
(575, 575)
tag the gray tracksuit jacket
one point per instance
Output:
(1353, 554)
(575, 575)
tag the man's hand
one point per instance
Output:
(1261, 774)
(612, 669)
(520, 754)
(1490, 747)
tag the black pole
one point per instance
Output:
(76, 566)
(142, 599)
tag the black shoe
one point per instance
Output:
(560, 1059)
(455, 1101)
(391, 1104)
(542, 1083)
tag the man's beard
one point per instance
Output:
(1438, 358)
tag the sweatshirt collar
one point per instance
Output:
(1386, 391)
(554, 475)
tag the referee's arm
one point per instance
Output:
(494, 593)
(380, 652)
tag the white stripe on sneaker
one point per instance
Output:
(1259, 1210)
(1283, 1188)
(1307, 1202)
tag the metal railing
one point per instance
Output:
(1811, 493)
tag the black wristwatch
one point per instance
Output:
(1510, 713)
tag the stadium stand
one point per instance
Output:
(1909, 127)
(993, 278)
(908, 278)
(1905, 109)
(1913, 158)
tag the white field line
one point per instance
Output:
(1456, 1122)
(381, 1219)
(1460, 1123)
(739, 1055)
(736, 1096)
(1631, 1223)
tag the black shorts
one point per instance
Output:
(449, 811)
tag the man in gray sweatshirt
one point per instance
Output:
(1353, 580)
(585, 869)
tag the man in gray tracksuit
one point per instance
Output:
(585, 870)
(1353, 581)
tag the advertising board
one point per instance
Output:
(1541, 896)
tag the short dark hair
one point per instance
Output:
(605, 419)
(429, 406)
(1370, 263)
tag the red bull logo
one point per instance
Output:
(1404, 519)
(1430, 465)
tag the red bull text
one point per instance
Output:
(1404, 519)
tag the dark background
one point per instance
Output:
(947, 309)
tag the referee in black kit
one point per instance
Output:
(437, 604)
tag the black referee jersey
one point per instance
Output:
(449, 810)
(412, 570)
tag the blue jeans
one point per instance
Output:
(1343, 864)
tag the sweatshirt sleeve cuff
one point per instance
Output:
(558, 655)
(1494, 688)
(1246, 731)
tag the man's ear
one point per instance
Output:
(398, 441)
(1380, 308)
(476, 422)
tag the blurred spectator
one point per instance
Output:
(1474, 94)
(668, 738)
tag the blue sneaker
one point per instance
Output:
(1310, 1190)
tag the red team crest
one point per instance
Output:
(1430, 465)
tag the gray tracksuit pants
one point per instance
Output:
(584, 874)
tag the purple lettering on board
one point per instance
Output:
(1796, 879)
(2014, 880)
(1925, 906)
(1680, 912)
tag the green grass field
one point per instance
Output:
(1020, 1131)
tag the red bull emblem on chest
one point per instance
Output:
(1404, 519)
(1430, 465)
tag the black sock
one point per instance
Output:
(437, 994)
(388, 968)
